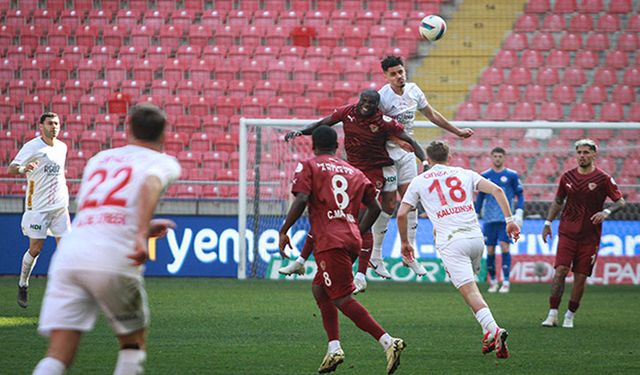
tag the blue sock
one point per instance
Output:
(506, 266)
(491, 266)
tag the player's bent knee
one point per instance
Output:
(562, 271)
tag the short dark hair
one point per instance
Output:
(324, 138)
(370, 93)
(587, 142)
(438, 151)
(47, 115)
(389, 61)
(147, 122)
(499, 150)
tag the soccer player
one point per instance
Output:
(366, 132)
(333, 190)
(585, 188)
(400, 100)
(42, 160)
(494, 224)
(446, 193)
(98, 265)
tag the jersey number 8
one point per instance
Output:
(339, 185)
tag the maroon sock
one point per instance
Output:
(573, 306)
(307, 248)
(361, 317)
(329, 313)
(365, 252)
(554, 302)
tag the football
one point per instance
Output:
(432, 28)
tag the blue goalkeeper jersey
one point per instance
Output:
(509, 181)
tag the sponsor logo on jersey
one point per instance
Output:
(592, 186)
(52, 169)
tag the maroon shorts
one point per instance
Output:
(335, 272)
(376, 176)
(581, 256)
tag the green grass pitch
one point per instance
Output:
(221, 326)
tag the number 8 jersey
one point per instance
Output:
(104, 228)
(446, 193)
(336, 190)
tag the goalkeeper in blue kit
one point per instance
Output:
(494, 228)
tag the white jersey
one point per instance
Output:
(104, 228)
(402, 108)
(446, 193)
(46, 184)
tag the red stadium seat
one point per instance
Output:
(61, 104)
(527, 23)
(574, 77)
(565, 6)
(406, 38)
(611, 112)
(519, 76)
(532, 59)
(279, 70)
(170, 36)
(143, 71)
(558, 59)
(162, 87)
(516, 42)
(524, 111)
(582, 112)
(174, 105)
(468, 111)
(551, 111)
(20, 88)
(98, 18)
(481, 94)
(608, 23)
(214, 88)
(131, 54)
(571, 42)
(492, 76)
(616, 59)
(76, 88)
(496, 111)
(553, 22)
(305, 71)
(631, 77)
(563, 94)
(591, 6)
(548, 77)
(89, 105)
(620, 6)
(586, 59)
(628, 42)
(174, 70)
(116, 71)
(597, 42)
(16, 17)
(538, 6)
(594, 94)
(535, 93)
(605, 77)
(227, 106)
(380, 36)
(505, 59)
(182, 19)
(623, 94)
(266, 89)
(508, 93)
(32, 70)
(305, 107)
(581, 23)
(188, 54)
(318, 90)
(126, 19)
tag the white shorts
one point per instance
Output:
(39, 225)
(73, 299)
(406, 168)
(461, 259)
(390, 178)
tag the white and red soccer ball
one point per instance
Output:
(432, 28)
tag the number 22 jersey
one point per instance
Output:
(104, 228)
(446, 193)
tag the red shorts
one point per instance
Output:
(335, 272)
(376, 176)
(582, 255)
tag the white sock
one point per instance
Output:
(385, 340)
(130, 362)
(569, 314)
(506, 283)
(553, 312)
(484, 317)
(412, 226)
(334, 345)
(301, 260)
(28, 262)
(379, 229)
(49, 366)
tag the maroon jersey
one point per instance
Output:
(336, 190)
(365, 138)
(585, 195)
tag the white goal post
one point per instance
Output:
(249, 134)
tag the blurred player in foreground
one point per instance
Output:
(98, 266)
(366, 131)
(46, 205)
(446, 193)
(401, 100)
(334, 190)
(494, 227)
(585, 189)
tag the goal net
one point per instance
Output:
(538, 151)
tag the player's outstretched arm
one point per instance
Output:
(438, 119)
(417, 149)
(554, 209)
(150, 192)
(295, 211)
(486, 186)
(402, 220)
(20, 169)
(309, 128)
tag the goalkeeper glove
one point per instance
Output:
(291, 135)
(519, 216)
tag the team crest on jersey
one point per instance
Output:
(323, 265)
(374, 128)
(299, 168)
(379, 185)
(503, 179)
(592, 186)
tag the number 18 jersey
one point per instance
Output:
(104, 228)
(336, 190)
(446, 193)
